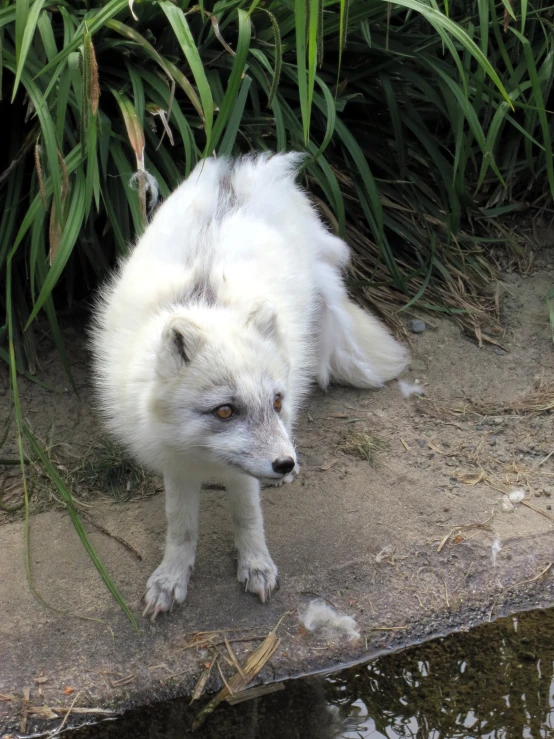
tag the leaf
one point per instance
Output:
(130, 33)
(237, 73)
(188, 89)
(47, 127)
(180, 26)
(233, 124)
(442, 25)
(95, 23)
(278, 57)
(67, 241)
(57, 219)
(313, 21)
(136, 138)
(133, 126)
(305, 96)
(23, 40)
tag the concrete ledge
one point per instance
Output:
(326, 532)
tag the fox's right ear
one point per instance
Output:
(181, 340)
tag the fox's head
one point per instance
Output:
(221, 389)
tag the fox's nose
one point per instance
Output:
(283, 465)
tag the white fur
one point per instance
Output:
(496, 547)
(234, 294)
(408, 389)
(319, 615)
(516, 496)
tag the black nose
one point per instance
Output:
(283, 465)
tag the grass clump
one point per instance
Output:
(362, 445)
(109, 470)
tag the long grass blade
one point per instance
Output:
(23, 43)
(181, 28)
(65, 492)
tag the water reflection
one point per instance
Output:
(495, 682)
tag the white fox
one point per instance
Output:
(206, 342)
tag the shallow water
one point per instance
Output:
(496, 681)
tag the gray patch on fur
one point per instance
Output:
(202, 292)
(228, 199)
(202, 289)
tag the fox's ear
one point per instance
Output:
(182, 339)
(264, 318)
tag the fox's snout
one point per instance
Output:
(283, 465)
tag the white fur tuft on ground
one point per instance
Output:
(408, 389)
(496, 547)
(516, 496)
(320, 615)
(512, 499)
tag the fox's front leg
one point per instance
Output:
(256, 569)
(169, 582)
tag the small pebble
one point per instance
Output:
(417, 326)
(548, 507)
(499, 351)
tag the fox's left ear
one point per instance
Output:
(181, 340)
(262, 316)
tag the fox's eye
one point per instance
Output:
(278, 402)
(224, 412)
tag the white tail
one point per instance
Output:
(355, 349)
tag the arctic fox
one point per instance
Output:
(206, 342)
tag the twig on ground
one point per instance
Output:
(533, 579)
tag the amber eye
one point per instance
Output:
(224, 412)
(278, 402)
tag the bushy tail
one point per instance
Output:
(356, 349)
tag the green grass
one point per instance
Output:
(424, 123)
(109, 469)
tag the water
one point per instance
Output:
(494, 682)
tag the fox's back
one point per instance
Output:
(235, 230)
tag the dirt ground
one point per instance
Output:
(413, 543)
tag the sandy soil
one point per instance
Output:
(392, 543)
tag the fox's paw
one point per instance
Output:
(166, 585)
(258, 573)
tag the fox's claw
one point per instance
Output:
(259, 575)
(166, 586)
